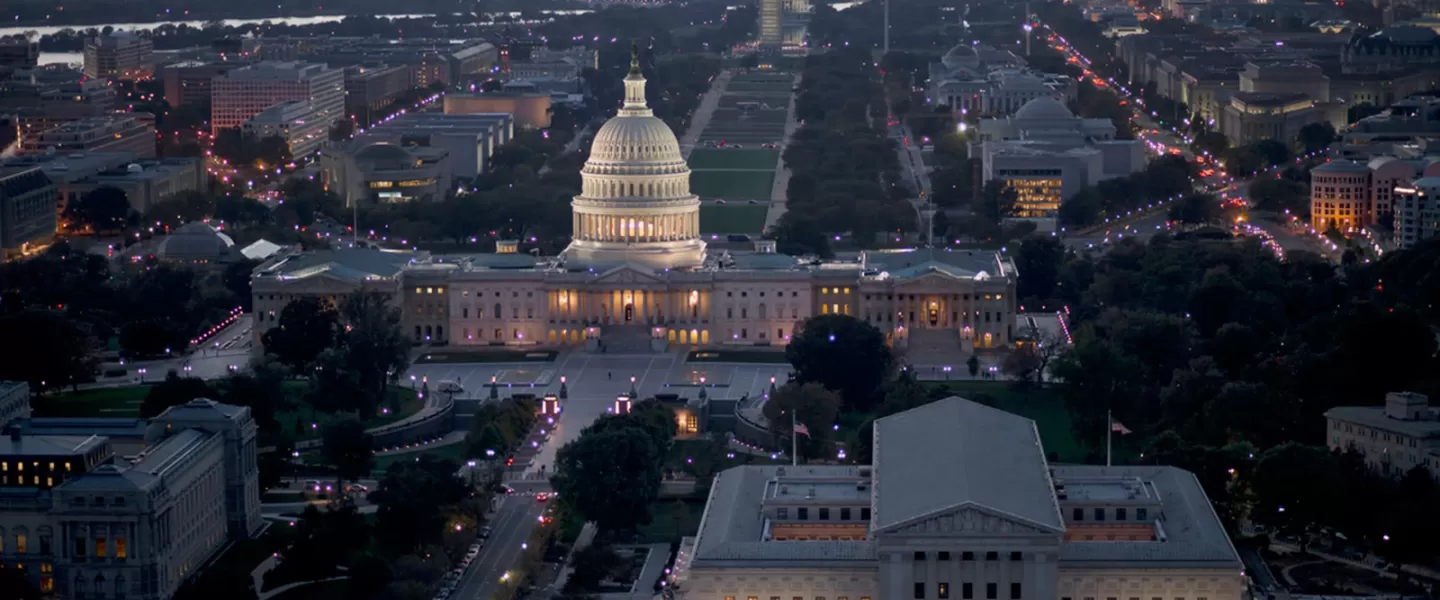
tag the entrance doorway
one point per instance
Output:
(629, 312)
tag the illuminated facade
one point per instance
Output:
(386, 173)
(1256, 116)
(1348, 195)
(243, 93)
(120, 55)
(637, 276)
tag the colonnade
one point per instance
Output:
(627, 229)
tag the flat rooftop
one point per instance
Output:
(1112, 490)
(844, 488)
(49, 445)
(732, 531)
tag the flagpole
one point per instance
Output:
(1109, 432)
(794, 441)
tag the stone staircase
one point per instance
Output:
(927, 346)
(626, 339)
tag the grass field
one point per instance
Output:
(732, 185)
(451, 451)
(304, 423)
(732, 218)
(723, 158)
(104, 402)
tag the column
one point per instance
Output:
(930, 574)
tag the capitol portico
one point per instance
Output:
(637, 276)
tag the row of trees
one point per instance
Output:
(1163, 178)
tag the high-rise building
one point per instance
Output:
(368, 89)
(19, 53)
(120, 55)
(189, 82)
(1417, 211)
(239, 95)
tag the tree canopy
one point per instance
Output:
(841, 353)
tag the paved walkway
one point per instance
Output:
(290, 586)
(778, 198)
(454, 437)
(650, 573)
(704, 112)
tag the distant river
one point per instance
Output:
(76, 57)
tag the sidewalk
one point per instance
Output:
(778, 197)
(454, 437)
(704, 112)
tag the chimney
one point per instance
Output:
(1407, 406)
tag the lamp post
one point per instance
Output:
(772, 385)
(494, 391)
(632, 387)
(702, 387)
(471, 464)
(564, 392)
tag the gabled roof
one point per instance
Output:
(941, 456)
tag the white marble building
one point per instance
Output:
(960, 503)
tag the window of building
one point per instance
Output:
(992, 590)
(21, 543)
(967, 591)
(1099, 514)
(752, 598)
(101, 550)
(1015, 591)
(79, 546)
(944, 556)
(844, 514)
(120, 550)
(1077, 514)
(865, 513)
(943, 590)
(1016, 556)
(919, 556)
(1142, 514)
(967, 556)
(804, 513)
(1119, 514)
(824, 514)
(992, 555)
(920, 590)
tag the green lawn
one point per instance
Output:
(736, 356)
(726, 158)
(305, 423)
(486, 356)
(103, 402)
(732, 185)
(1044, 406)
(671, 520)
(454, 452)
(680, 450)
(732, 218)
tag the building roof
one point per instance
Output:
(173, 451)
(1342, 166)
(1374, 416)
(49, 445)
(195, 240)
(202, 409)
(991, 458)
(1191, 534)
(733, 527)
(84, 426)
(261, 249)
(1044, 108)
(355, 264)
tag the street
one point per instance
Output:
(511, 525)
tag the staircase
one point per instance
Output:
(626, 339)
(935, 346)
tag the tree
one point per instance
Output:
(1281, 195)
(591, 565)
(610, 477)
(411, 500)
(105, 208)
(1022, 363)
(216, 583)
(997, 201)
(173, 391)
(374, 348)
(1196, 209)
(972, 364)
(56, 352)
(1213, 143)
(841, 353)
(17, 584)
(1038, 260)
(810, 405)
(347, 447)
(1294, 486)
(262, 389)
(306, 328)
(1315, 137)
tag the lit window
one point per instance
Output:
(120, 551)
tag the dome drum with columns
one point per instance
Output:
(635, 203)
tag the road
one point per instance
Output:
(511, 525)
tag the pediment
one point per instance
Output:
(627, 274)
(935, 280)
(321, 283)
(968, 519)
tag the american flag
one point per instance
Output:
(1116, 427)
(801, 429)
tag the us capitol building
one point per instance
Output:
(638, 277)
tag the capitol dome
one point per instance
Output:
(635, 203)
(1044, 109)
(961, 55)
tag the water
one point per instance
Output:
(64, 58)
(40, 30)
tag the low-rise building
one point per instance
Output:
(1255, 116)
(145, 182)
(385, 173)
(469, 139)
(197, 243)
(530, 110)
(1003, 523)
(119, 132)
(295, 122)
(1394, 438)
(19, 53)
(27, 209)
(1417, 211)
(1349, 195)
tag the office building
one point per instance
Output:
(1255, 116)
(294, 122)
(117, 132)
(1412, 118)
(1394, 438)
(27, 210)
(960, 502)
(637, 276)
(47, 97)
(188, 82)
(85, 523)
(368, 90)
(1392, 48)
(530, 110)
(19, 53)
(239, 95)
(383, 172)
(1349, 195)
(469, 139)
(1417, 211)
(144, 182)
(120, 55)
(1048, 155)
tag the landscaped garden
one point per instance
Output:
(730, 158)
(732, 185)
(733, 218)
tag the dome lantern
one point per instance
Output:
(635, 86)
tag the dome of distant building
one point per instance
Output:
(962, 55)
(196, 243)
(635, 203)
(1043, 109)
